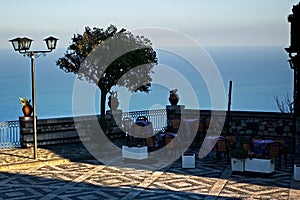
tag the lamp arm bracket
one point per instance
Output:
(35, 53)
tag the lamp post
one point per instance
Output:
(22, 45)
(294, 53)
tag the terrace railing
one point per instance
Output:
(9, 134)
(157, 117)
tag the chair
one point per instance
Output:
(201, 128)
(150, 142)
(127, 123)
(222, 146)
(274, 151)
(175, 124)
(141, 118)
(232, 140)
(256, 138)
(169, 143)
(285, 148)
(245, 144)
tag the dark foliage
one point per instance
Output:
(110, 58)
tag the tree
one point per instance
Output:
(110, 58)
(285, 107)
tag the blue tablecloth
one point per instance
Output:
(259, 146)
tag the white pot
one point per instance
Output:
(237, 164)
(296, 173)
(259, 165)
(188, 160)
(138, 153)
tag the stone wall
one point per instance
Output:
(246, 125)
(243, 124)
(64, 130)
(50, 131)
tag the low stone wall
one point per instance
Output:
(246, 125)
(49, 131)
(62, 130)
(243, 124)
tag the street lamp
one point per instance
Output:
(22, 45)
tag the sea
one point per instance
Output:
(258, 75)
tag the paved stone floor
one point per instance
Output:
(69, 172)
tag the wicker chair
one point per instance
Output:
(127, 123)
(274, 151)
(245, 144)
(232, 140)
(142, 118)
(222, 146)
(150, 142)
(169, 144)
(285, 149)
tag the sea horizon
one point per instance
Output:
(258, 75)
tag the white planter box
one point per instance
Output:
(188, 160)
(237, 164)
(259, 165)
(138, 153)
(296, 173)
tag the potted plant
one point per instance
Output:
(113, 101)
(173, 98)
(238, 157)
(27, 108)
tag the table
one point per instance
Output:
(190, 127)
(161, 138)
(141, 131)
(259, 146)
(138, 132)
(209, 144)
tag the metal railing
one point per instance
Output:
(157, 117)
(10, 130)
(9, 134)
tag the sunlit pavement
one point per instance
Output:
(70, 172)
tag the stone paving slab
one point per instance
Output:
(70, 172)
(23, 157)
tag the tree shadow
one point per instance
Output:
(39, 186)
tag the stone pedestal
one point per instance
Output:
(116, 115)
(26, 130)
(174, 112)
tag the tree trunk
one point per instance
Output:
(102, 103)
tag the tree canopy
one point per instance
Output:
(110, 58)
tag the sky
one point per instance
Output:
(209, 22)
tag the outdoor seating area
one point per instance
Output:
(145, 133)
(141, 134)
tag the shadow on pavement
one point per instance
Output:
(52, 185)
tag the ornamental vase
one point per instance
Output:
(113, 103)
(173, 99)
(27, 110)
